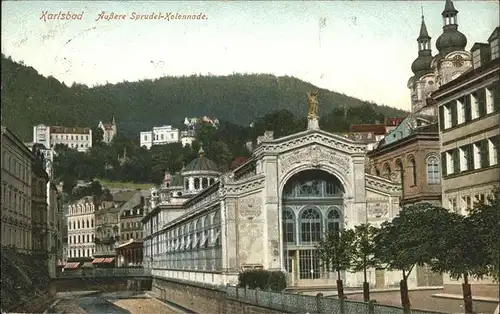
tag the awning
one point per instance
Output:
(98, 260)
(72, 265)
(109, 260)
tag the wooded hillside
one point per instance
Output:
(29, 98)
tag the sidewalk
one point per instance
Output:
(460, 297)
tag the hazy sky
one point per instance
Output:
(364, 49)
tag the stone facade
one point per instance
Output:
(16, 192)
(238, 222)
(413, 162)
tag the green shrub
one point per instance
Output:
(262, 279)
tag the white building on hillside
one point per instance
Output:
(159, 135)
(79, 138)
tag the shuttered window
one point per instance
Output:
(481, 97)
(454, 115)
(443, 163)
(441, 119)
(483, 152)
(467, 108)
(456, 160)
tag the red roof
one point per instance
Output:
(393, 121)
(377, 129)
(70, 130)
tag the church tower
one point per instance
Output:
(451, 39)
(421, 68)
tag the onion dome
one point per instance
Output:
(422, 64)
(451, 39)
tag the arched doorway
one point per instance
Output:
(312, 204)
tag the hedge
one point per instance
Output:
(262, 279)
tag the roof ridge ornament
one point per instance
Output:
(312, 117)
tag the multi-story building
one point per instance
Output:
(108, 224)
(159, 135)
(130, 221)
(109, 130)
(17, 162)
(81, 225)
(55, 227)
(39, 208)
(79, 138)
(469, 129)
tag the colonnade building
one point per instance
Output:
(269, 213)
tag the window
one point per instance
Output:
(452, 205)
(484, 159)
(466, 202)
(493, 144)
(333, 221)
(447, 116)
(494, 49)
(489, 100)
(413, 171)
(310, 226)
(479, 198)
(387, 171)
(288, 226)
(433, 173)
(196, 183)
(460, 111)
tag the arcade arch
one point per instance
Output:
(312, 204)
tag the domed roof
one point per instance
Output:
(451, 40)
(201, 163)
(421, 65)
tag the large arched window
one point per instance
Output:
(310, 226)
(433, 171)
(413, 170)
(400, 170)
(312, 184)
(288, 226)
(333, 221)
(387, 171)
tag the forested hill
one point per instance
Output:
(29, 98)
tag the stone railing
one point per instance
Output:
(103, 272)
(300, 303)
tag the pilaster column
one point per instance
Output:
(191, 184)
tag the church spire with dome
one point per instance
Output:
(422, 64)
(451, 39)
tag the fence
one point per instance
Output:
(299, 303)
(104, 272)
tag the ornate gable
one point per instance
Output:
(296, 141)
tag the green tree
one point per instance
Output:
(97, 136)
(364, 254)
(486, 217)
(467, 247)
(335, 251)
(410, 239)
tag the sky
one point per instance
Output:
(360, 48)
